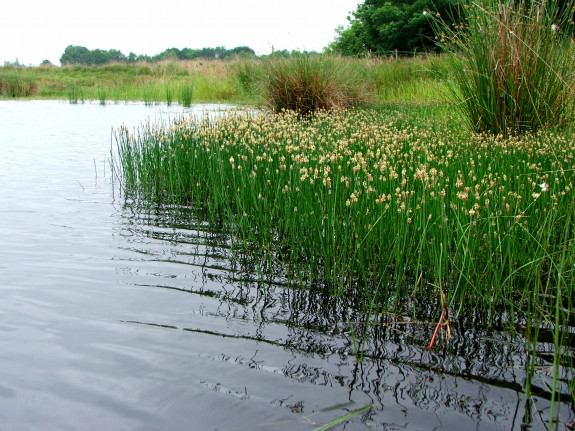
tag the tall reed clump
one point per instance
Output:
(307, 84)
(512, 64)
(249, 75)
(16, 84)
(75, 94)
(185, 93)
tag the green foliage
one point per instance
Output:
(75, 94)
(343, 418)
(306, 84)
(380, 194)
(15, 83)
(513, 65)
(248, 75)
(350, 41)
(407, 79)
(82, 55)
(390, 208)
(380, 26)
(285, 53)
(185, 94)
(238, 81)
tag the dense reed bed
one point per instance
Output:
(402, 203)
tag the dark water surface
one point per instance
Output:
(120, 318)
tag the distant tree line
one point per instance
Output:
(93, 57)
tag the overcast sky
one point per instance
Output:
(36, 30)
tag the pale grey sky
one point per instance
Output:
(36, 30)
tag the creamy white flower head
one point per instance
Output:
(554, 27)
(544, 187)
(425, 13)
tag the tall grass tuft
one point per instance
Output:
(102, 95)
(15, 84)
(169, 94)
(306, 84)
(249, 76)
(512, 64)
(185, 92)
(75, 94)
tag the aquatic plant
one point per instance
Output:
(344, 418)
(249, 75)
(75, 94)
(169, 94)
(513, 64)
(185, 92)
(387, 202)
(102, 95)
(446, 202)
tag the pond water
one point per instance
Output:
(122, 318)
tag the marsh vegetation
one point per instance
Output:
(247, 81)
(400, 204)
(389, 183)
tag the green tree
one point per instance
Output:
(82, 55)
(380, 26)
(75, 55)
(239, 51)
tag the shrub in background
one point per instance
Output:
(512, 64)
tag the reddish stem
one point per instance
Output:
(437, 329)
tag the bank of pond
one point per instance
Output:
(237, 81)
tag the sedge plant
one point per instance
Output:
(385, 204)
(512, 64)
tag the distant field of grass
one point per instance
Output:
(241, 81)
(162, 82)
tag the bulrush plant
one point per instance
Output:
(384, 203)
(352, 188)
(513, 64)
(310, 83)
